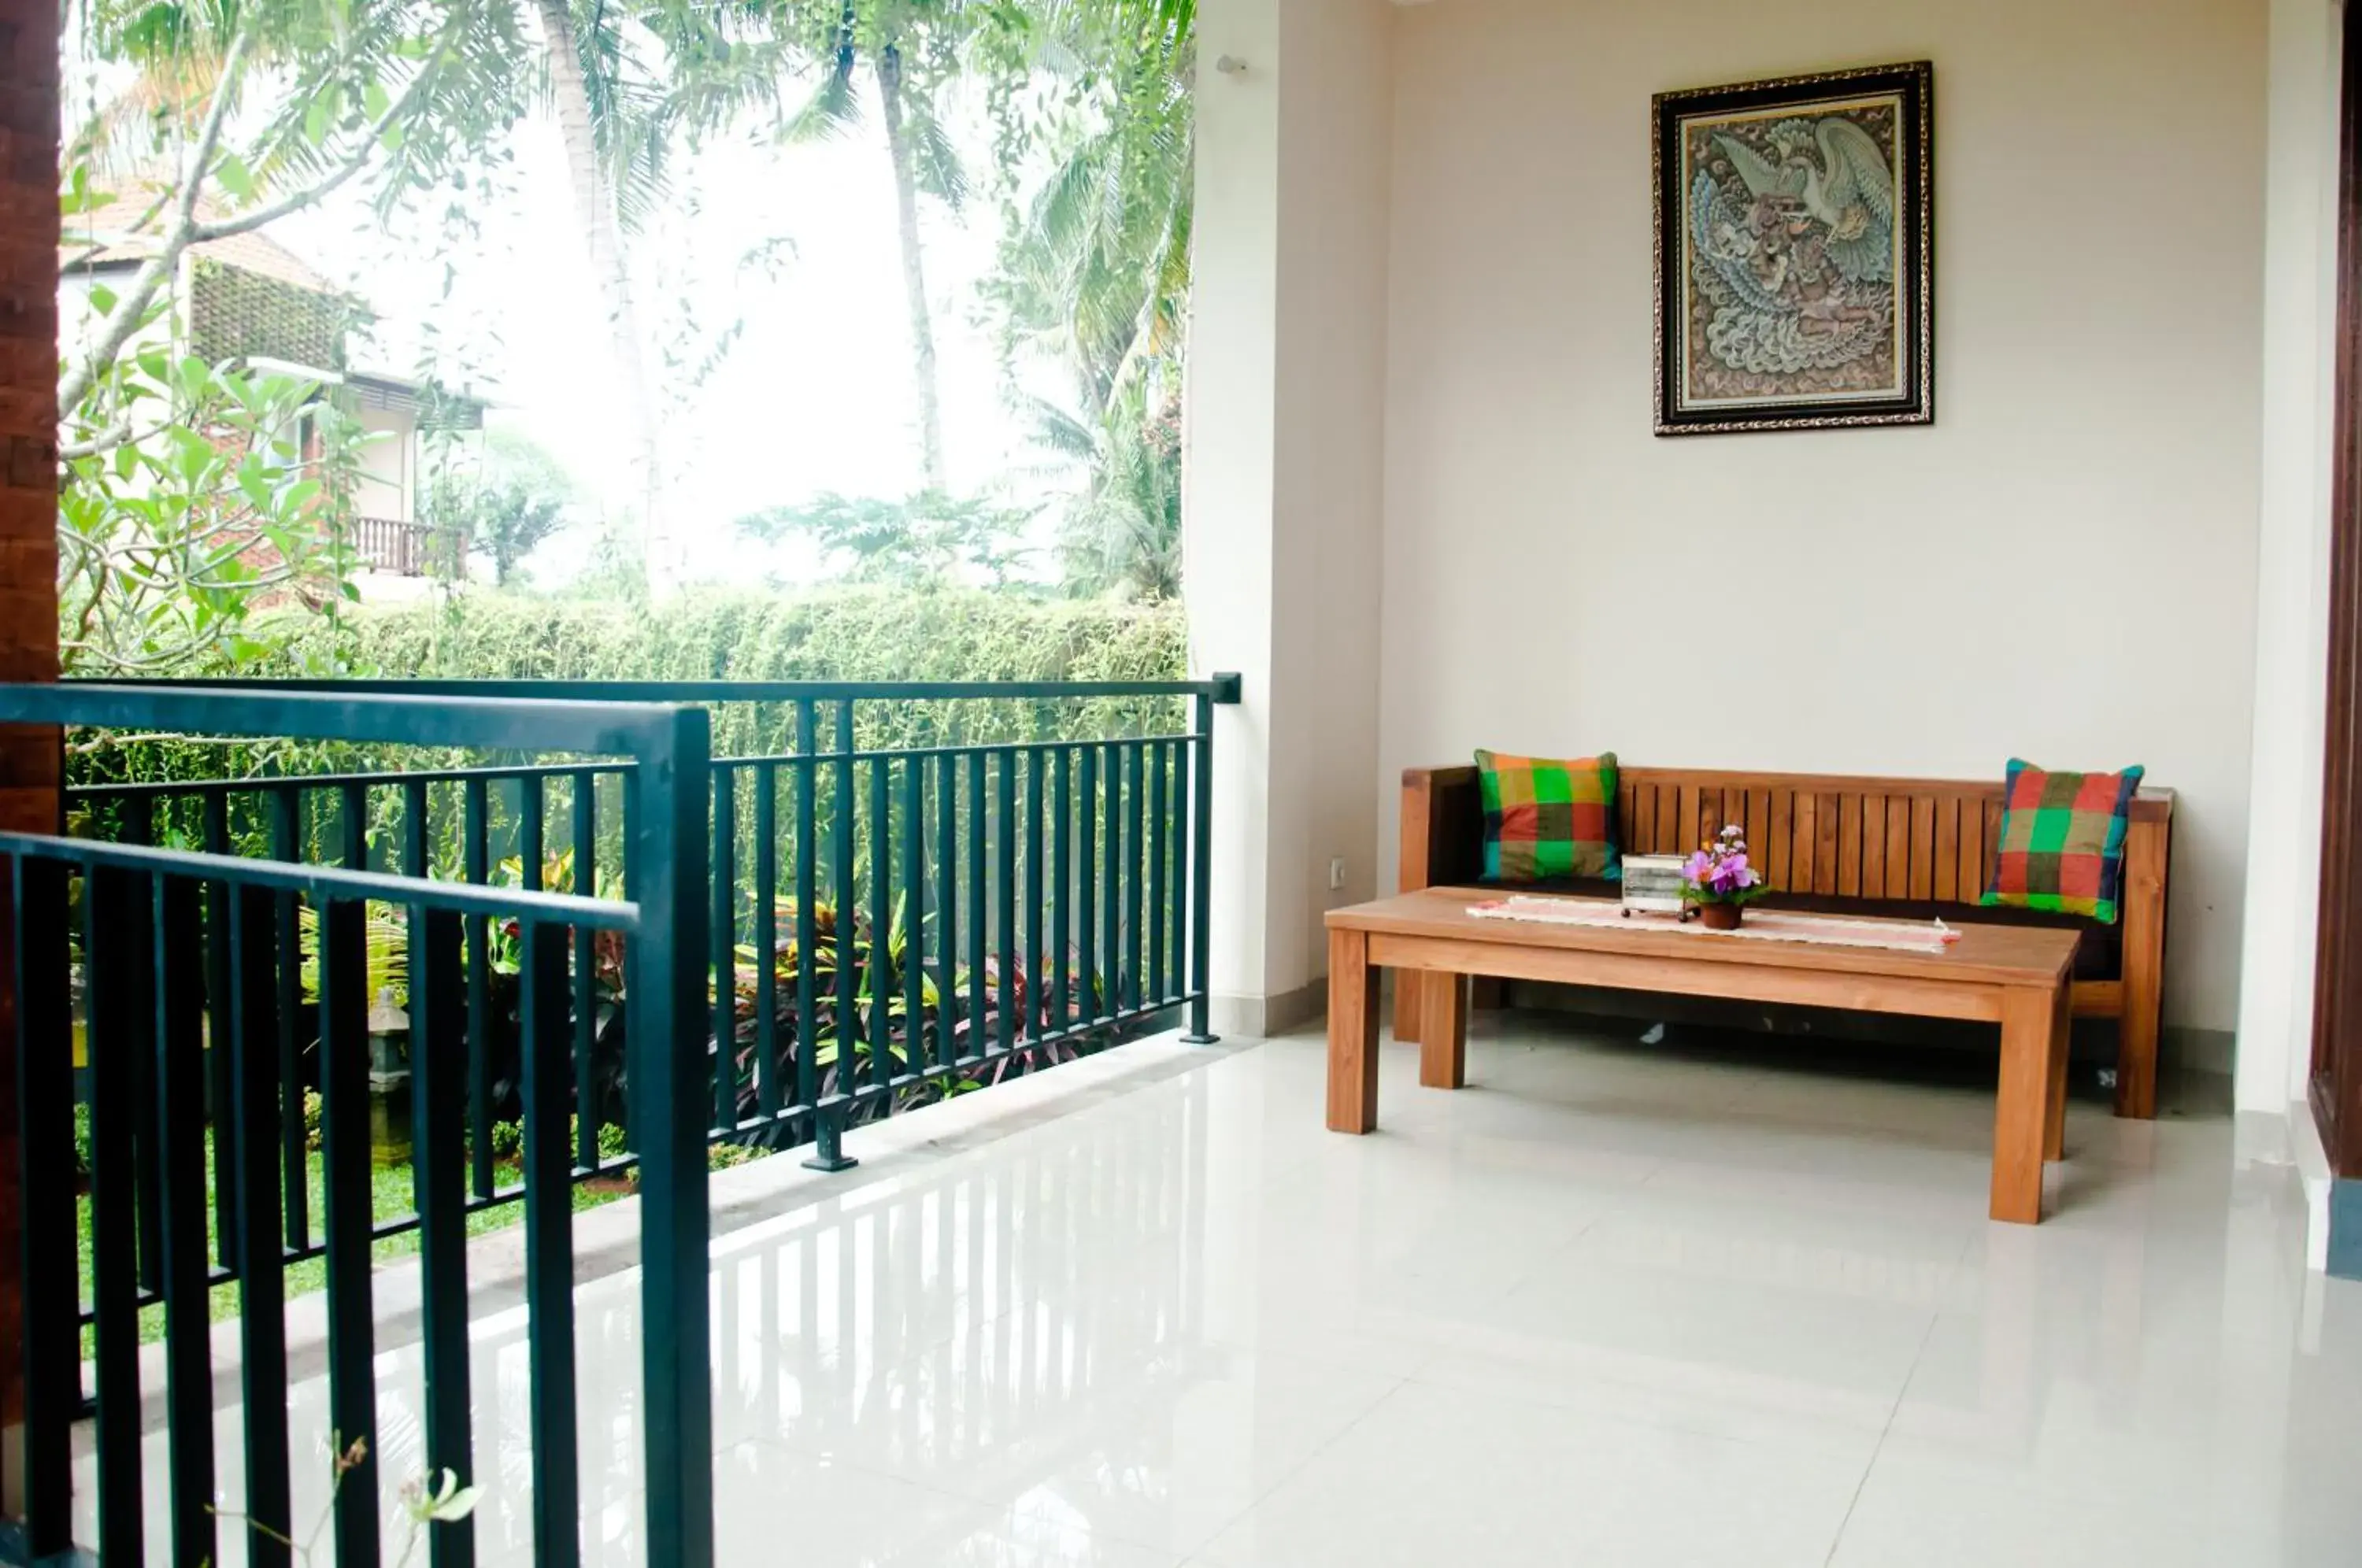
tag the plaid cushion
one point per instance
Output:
(2062, 841)
(1549, 819)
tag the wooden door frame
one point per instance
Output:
(2334, 1081)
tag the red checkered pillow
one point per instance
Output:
(2062, 841)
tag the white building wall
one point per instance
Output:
(2062, 567)
(387, 487)
(2292, 558)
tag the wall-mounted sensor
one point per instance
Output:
(1231, 65)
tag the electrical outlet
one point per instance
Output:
(1336, 873)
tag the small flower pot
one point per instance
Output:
(1720, 917)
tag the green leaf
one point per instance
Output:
(101, 299)
(234, 177)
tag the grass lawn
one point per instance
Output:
(390, 1199)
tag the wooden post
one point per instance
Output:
(29, 760)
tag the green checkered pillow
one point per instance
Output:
(1549, 819)
(2062, 841)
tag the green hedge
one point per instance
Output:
(862, 633)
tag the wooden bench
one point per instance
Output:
(2013, 975)
(1890, 846)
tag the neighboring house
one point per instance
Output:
(249, 297)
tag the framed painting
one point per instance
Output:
(1796, 252)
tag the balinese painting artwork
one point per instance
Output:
(1792, 262)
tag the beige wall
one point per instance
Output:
(1285, 475)
(2063, 566)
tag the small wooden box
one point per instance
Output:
(1652, 884)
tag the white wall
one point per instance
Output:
(2292, 558)
(1285, 417)
(386, 483)
(2063, 566)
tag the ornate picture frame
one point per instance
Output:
(1796, 244)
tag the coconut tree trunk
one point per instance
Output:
(594, 208)
(914, 271)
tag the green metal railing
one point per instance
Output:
(186, 950)
(901, 889)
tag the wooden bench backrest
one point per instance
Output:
(1845, 836)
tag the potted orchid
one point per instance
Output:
(1719, 881)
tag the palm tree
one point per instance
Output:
(597, 207)
(913, 50)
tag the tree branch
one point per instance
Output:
(358, 160)
(131, 307)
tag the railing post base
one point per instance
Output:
(1201, 1025)
(828, 1144)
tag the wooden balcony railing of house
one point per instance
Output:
(892, 892)
(408, 549)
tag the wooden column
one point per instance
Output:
(29, 761)
(2337, 1077)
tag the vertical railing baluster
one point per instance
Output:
(179, 1078)
(725, 949)
(1004, 936)
(1060, 1012)
(294, 1163)
(844, 888)
(1087, 884)
(914, 915)
(255, 916)
(881, 925)
(439, 1091)
(1036, 972)
(139, 827)
(586, 1117)
(549, 1246)
(352, 825)
(218, 1083)
(532, 831)
(768, 1088)
(1111, 882)
(52, 1365)
(476, 851)
(946, 908)
(1201, 887)
(119, 947)
(1135, 855)
(828, 1123)
(1156, 877)
(344, 1187)
(979, 1005)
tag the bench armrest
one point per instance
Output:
(1442, 828)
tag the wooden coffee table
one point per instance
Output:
(2013, 975)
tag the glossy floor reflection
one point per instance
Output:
(1609, 1305)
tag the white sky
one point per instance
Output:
(816, 395)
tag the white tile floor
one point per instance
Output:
(1609, 1305)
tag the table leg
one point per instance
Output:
(1352, 1034)
(1442, 1031)
(2062, 1030)
(2022, 1108)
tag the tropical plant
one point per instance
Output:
(928, 540)
(188, 502)
(401, 95)
(1095, 276)
(915, 50)
(1119, 526)
(502, 520)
